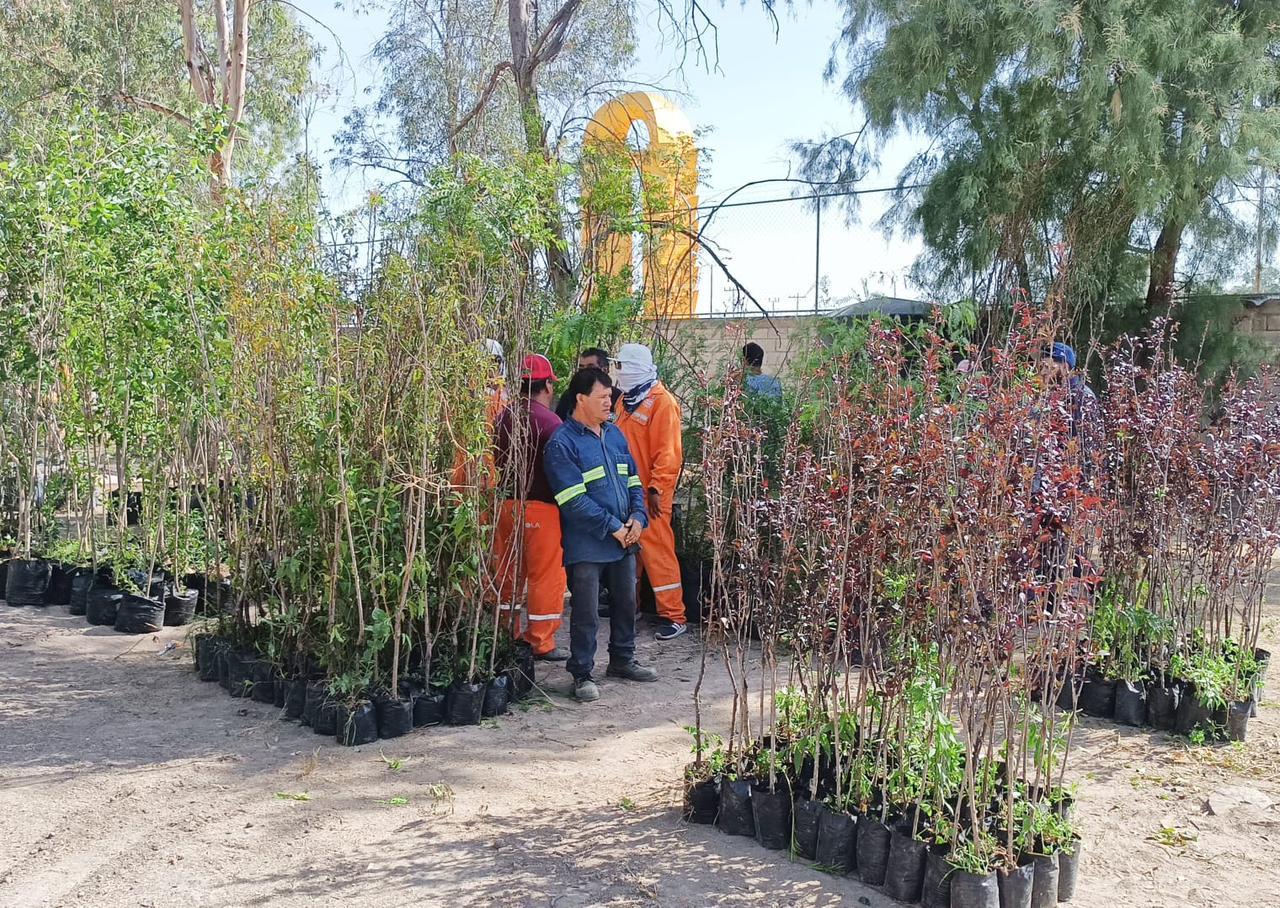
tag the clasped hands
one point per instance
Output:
(628, 534)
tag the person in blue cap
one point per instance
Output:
(1057, 367)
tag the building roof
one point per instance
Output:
(895, 306)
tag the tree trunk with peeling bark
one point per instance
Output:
(219, 83)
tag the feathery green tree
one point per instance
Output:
(1085, 150)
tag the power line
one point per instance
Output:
(805, 198)
(717, 206)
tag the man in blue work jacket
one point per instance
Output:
(602, 513)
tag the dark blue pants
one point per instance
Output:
(584, 605)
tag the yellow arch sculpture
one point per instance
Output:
(668, 171)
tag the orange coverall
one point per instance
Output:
(531, 554)
(467, 470)
(653, 434)
(540, 564)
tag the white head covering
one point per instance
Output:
(635, 366)
(495, 350)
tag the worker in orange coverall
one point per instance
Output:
(534, 556)
(480, 472)
(649, 417)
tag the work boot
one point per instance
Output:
(632, 671)
(558, 654)
(585, 690)
(670, 630)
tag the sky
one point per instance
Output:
(766, 92)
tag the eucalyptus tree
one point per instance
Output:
(1080, 149)
(479, 78)
(490, 78)
(219, 70)
(51, 48)
(446, 89)
(147, 55)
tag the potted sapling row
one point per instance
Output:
(1241, 690)
(1164, 692)
(836, 850)
(188, 545)
(935, 757)
(141, 609)
(429, 707)
(945, 758)
(1136, 631)
(464, 697)
(357, 717)
(843, 813)
(28, 370)
(801, 722)
(1097, 696)
(1053, 848)
(54, 499)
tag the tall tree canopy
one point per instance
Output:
(131, 55)
(448, 83)
(1090, 150)
(488, 79)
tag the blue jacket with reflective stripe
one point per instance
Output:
(596, 484)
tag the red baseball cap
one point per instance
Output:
(537, 367)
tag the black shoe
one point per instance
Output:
(585, 690)
(632, 671)
(604, 611)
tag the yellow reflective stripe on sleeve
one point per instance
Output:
(570, 493)
(622, 469)
(633, 482)
(593, 474)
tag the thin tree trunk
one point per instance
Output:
(193, 53)
(223, 63)
(236, 77)
(525, 60)
(221, 85)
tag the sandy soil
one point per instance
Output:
(125, 781)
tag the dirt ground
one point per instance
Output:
(125, 781)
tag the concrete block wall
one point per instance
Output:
(1263, 322)
(717, 342)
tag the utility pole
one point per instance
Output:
(1262, 195)
(817, 250)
